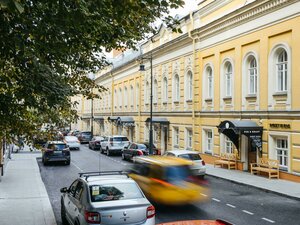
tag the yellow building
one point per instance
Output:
(228, 83)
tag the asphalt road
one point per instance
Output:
(235, 203)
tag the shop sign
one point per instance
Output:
(280, 125)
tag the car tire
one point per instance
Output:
(68, 163)
(63, 215)
(89, 146)
(101, 150)
(108, 152)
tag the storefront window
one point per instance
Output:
(282, 152)
(209, 141)
(228, 145)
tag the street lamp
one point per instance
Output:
(92, 77)
(142, 68)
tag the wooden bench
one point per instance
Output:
(227, 159)
(269, 166)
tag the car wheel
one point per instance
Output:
(63, 215)
(68, 162)
(107, 152)
(101, 150)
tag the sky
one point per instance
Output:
(190, 5)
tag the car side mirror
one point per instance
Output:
(64, 190)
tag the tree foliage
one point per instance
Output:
(48, 47)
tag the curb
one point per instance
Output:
(260, 188)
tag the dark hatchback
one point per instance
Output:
(56, 151)
(134, 149)
(85, 136)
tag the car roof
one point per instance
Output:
(105, 179)
(164, 161)
(180, 152)
(56, 142)
(118, 136)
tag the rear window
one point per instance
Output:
(85, 133)
(57, 146)
(71, 138)
(112, 192)
(120, 139)
(190, 156)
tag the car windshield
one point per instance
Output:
(140, 146)
(174, 174)
(120, 139)
(57, 146)
(86, 133)
(190, 156)
(71, 138)
(111, 192)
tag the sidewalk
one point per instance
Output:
(278, 186)
(23, 196)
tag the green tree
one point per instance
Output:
(48, 47)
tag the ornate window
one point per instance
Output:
(147, 96)
(176, 88)
(209, 75)
(228, 79)
(131, 96)
(252, 76)
(165, 90)
(281, 71)
(120, 98)
(137, 96)
(189, 86)
(176, 137)
(125, 97)
(155, 90)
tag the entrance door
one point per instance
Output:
(164, 139)
(252, 153)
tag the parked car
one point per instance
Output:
(168, 180)
(114, 144)
(133, 150)
(56, 151)
(105, 198)
(84, 136)
(198, 166)
(95, 143)
(72, 142)
(156, 151)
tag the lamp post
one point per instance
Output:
(92, 77)
(142, 68)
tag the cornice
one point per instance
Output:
(240, 16)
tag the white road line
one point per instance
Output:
(217, 200)
(266, 219)
(77, 166)
(203, 194)
(232, 206)
(250, 213)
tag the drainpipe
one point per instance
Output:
(112, 99)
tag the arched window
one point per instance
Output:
(125, 97)
(209, 76)
(155, 90)
(176, 88)
(189, 86)
(228, 79)
(131, 96)
(147, 93)
(165, 90)
(281, 71)
(252, 75)
(120, 98)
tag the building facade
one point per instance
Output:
(228, 83)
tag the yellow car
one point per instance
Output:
(167, 180)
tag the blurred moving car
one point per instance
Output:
(56, 151)
(198, 167)
(167, 180)
(134, 149)
(84, 136)
(156, 151)
(198, 222)
(105, 198)
(95, 143)
(72, 142)
(114, 144)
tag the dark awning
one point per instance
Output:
(98, 118)
(234, 128)
(125, 120)
(112, 118)
(161, 120)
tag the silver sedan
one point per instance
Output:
(105, 198)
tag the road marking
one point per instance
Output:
(203, 194)
(77, 166)
(232, 206)
(266, 219)
(245, 211)
(217, 200)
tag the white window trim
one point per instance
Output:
(164, 90)
(205, 140)
(223, 80)
(273, 135)
(176, 88)
(272, 81)
(188, 86)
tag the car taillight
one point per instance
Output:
(150, 211)
(203, 163)
(140, 152)
(92, 217)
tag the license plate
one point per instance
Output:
(57, 152)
